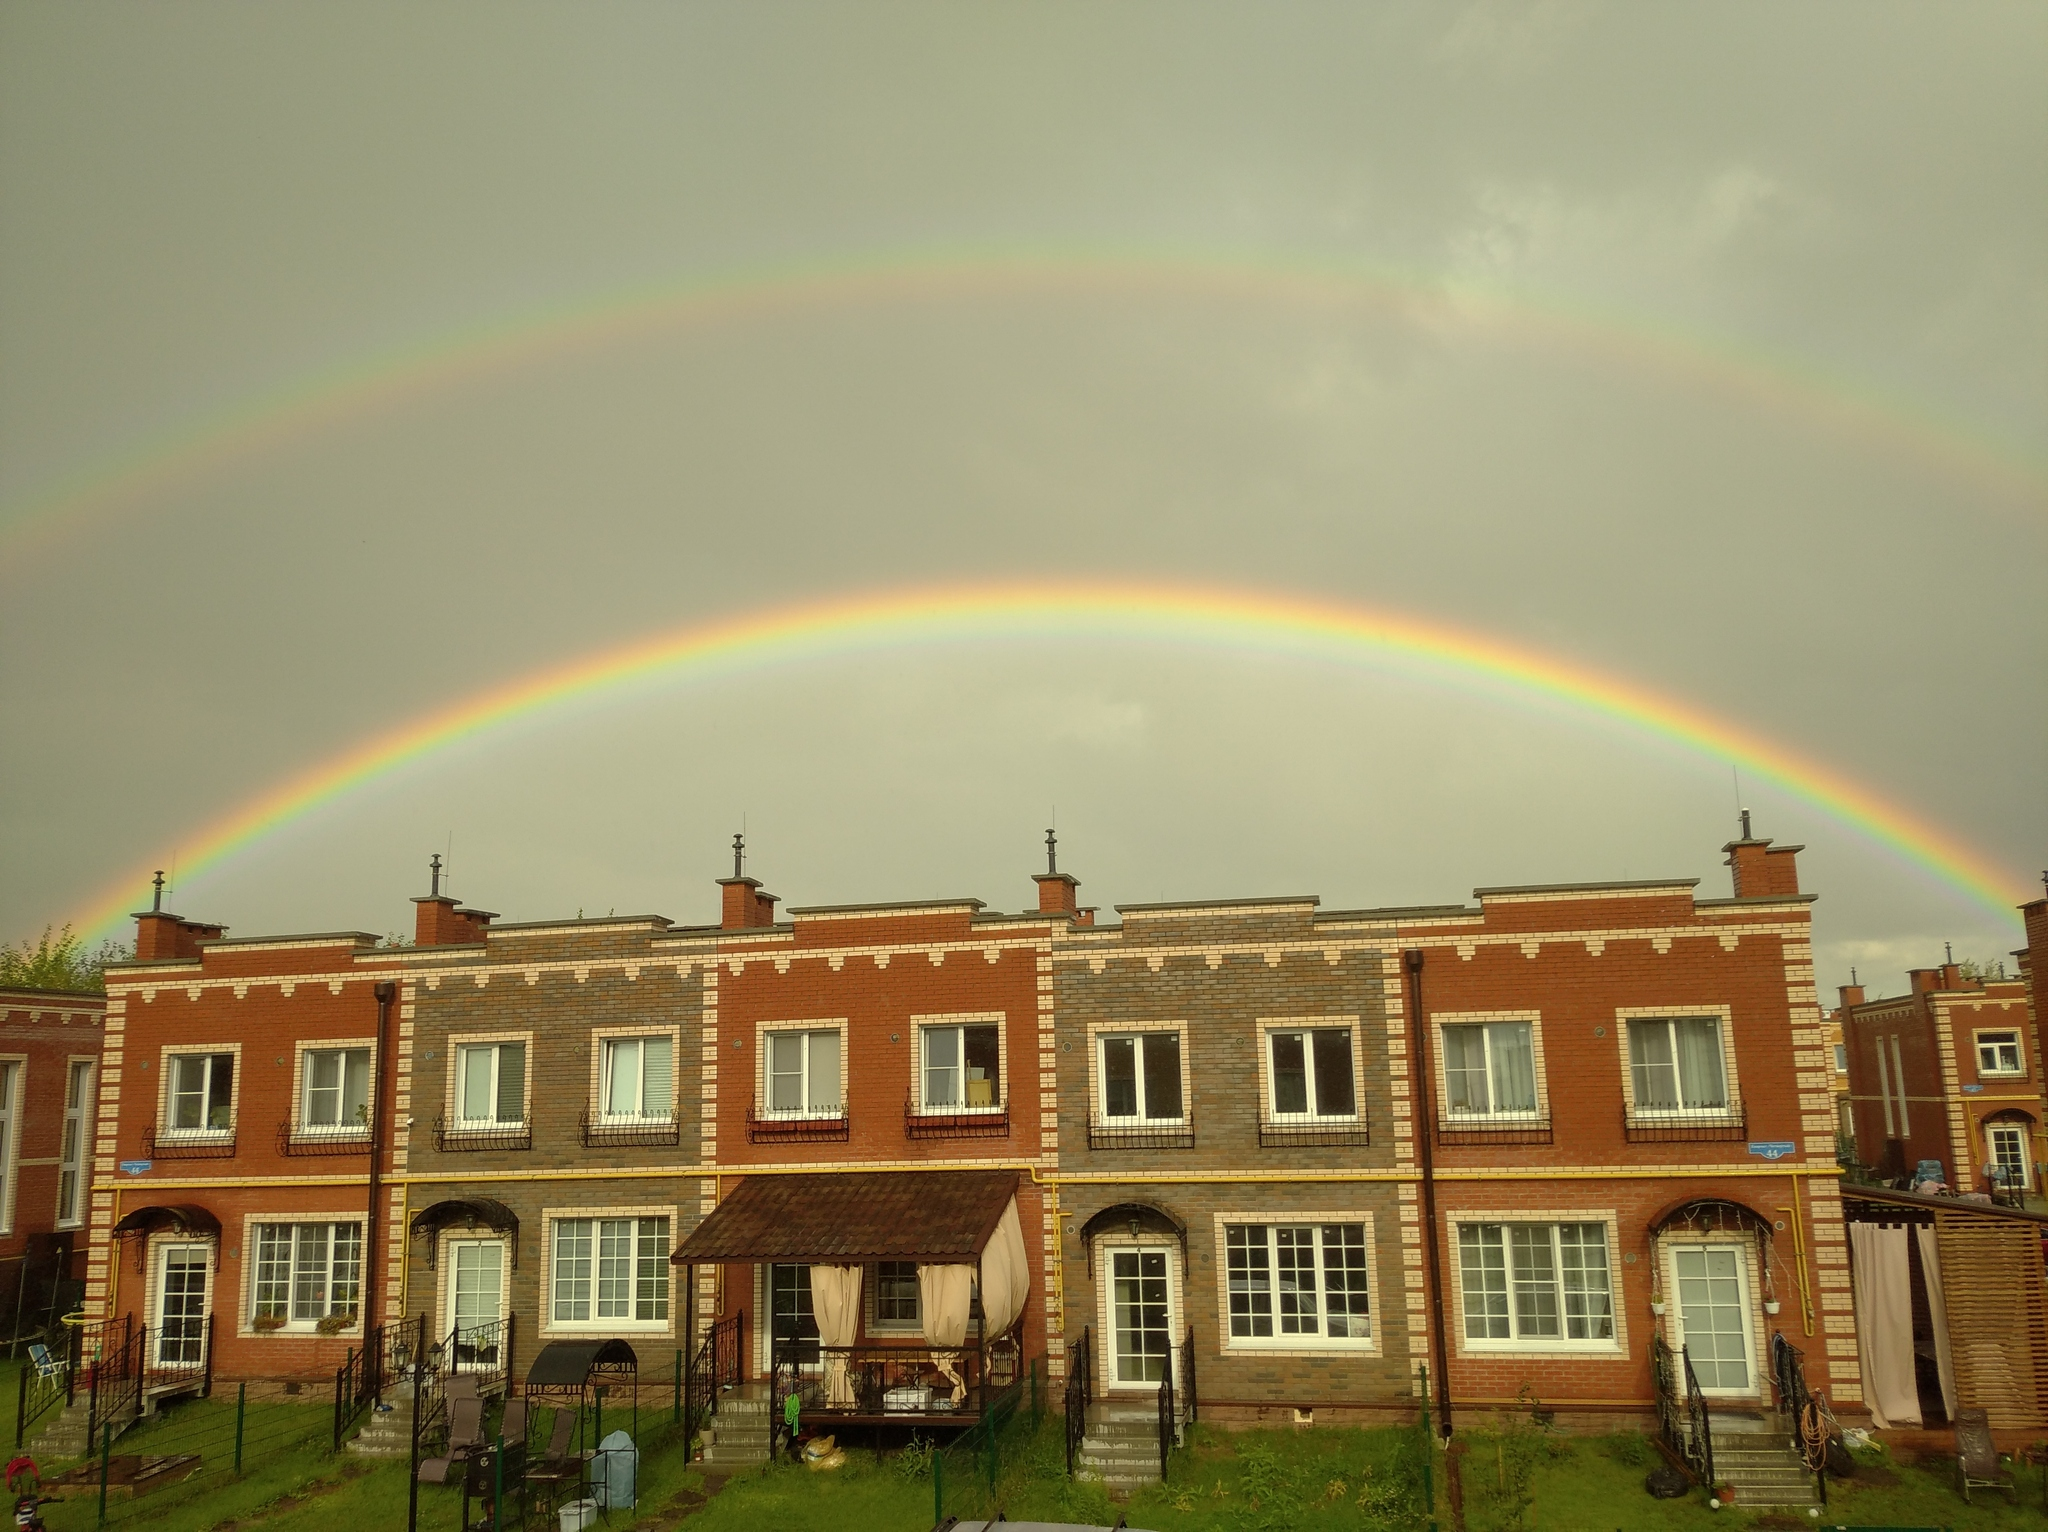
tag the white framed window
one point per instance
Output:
(636, 1079)
(490, 1084)
(78, 1103)
(1489, 1068)
(1841, 1058)
(335, 1090)
(609, 1273)
(11, 1075)
(1536, 1285)
(1311, 1073)
(1676, 1064)
(897, 1305)
(199, 1093)
(2007, 1146)
(1140, 1077)
(303, 1273)
(960, 1066)
(801, 1073)
(1998, 1053)
(1298, 1283)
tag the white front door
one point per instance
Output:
(1140, 1317)
(1713, 1316)
(476, 1281)
(181, 1305)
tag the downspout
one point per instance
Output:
(372, 1234)
(1425, 1137)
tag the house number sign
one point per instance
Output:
(1776, 1149)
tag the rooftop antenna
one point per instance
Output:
(434, 867)
(1052, 855)
(739, 855)
(156, 905)
(1852, 975)
(1745, 824)
(1948, 952)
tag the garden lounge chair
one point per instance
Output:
(1977, 1464)
(512, 1424)
(558, 1466)
(465, 1430)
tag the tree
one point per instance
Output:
(60, 960)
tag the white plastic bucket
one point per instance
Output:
(578, 1514)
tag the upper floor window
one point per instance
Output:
(1298, 1283)
(1312, 1075)
(1536, 1283)
(610, 1271)
(490, 1085)
(896, 1296)
(962, 1067)
(1489, 1068)
(638, 1079)
(78, 1098)
(10, 1120)
(337, 1089)
(1676, 1064)
(803, 1073)
(1841, 1058)
(1141, 1077)
(1998, 1053)
(201, 1092)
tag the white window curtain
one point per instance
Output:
(1884, 1324)
(1005, 1275)
(1937, 1310)
(946, 1293)
(835, 1303)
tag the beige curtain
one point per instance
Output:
(1937, 1306)
(945, 1294)
(1884, 1324)
(835, 1302)
(1005, 1274)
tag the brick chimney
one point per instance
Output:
(1852, 994)
(161, 936)
(1055, 888)
(439, 922)
(745, 905)
(1925, 980)
(1762, 870)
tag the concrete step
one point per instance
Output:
(67, 1435)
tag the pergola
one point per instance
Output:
(571, 1374)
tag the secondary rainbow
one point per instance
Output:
(1239, 621)
(1781, 387)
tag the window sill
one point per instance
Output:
(1315, 1345)
(608, 1327)
(1542, 1348)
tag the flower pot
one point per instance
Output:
(1770, 1305)
(1656, 1305)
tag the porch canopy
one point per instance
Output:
(931, 1217)
(187, 1218)
(465, 1213)
(566, 1370)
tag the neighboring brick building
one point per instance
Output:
(50, 1042)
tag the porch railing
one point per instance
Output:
(1682, 1416)
(1187, 1377)
(483, 1352)
(1804, 1413)
(387, 1353)
(42, 1392)
(1080, 1389)
(899, 1380)
(182, 1351)
(1169, 1421)
(713, 1368)
(116, 1376)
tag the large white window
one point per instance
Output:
(78, 1102)
(337, 1090)
(803, 1073)
(200, 1093)
(1676, 1065)
(1490, 1069)
(1998, 1053)
(638, 1079)
(306, 1272)
(963, 1067)
(610, 1272)
(490, 1085)
(1298, 1283)
(1141, 1078)
(1536, 1283)
(1312, 1079)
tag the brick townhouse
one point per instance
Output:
(50, 1044)
(900, 1152)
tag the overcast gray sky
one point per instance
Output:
(1752, 410)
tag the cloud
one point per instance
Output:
(1513, 38)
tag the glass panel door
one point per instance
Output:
(1713, 1309)
(793, 1324)
(181, 1306)
(477, 1282)
(1139, 1318)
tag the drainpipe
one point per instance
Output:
(386, 993)
(1425, 1137)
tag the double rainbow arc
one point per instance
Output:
(1237, 621)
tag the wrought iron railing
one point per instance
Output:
(1169, 1422)
(41, 1391)
(117, 1364)
(298, 1141)
(1805, 1414)
(713, 1368)
(1455, 1128)
(797, 1130)
(1658, 1125)
(1080, 1389)
(161, 1143)
(501, 1135)
(903, 1381)
(602, 1132)
(388, 1352)
(1187, 1377)
(918, 1123)
(1118, 1133)
(1314, 1133)
(1682, 1415)
(483, 1352)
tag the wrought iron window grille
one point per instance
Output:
(1314, 1132)
(602, 1132)
(1136, 1133)
(1456, 1128)
(1658, 1125)
(796, 1130)
(497, 1135)
(161, 1143)
(943, 1124)
(297, 1139)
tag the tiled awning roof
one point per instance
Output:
(936, 1217)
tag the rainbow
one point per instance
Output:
(326, 399)
(1238, 621)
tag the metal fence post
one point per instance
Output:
(21, 1409)
(677, 1417)
(938, 1486)
(106, 1452)
(412, 1493)
(1428, 1453)
(241, 1409)
(498, 1487)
